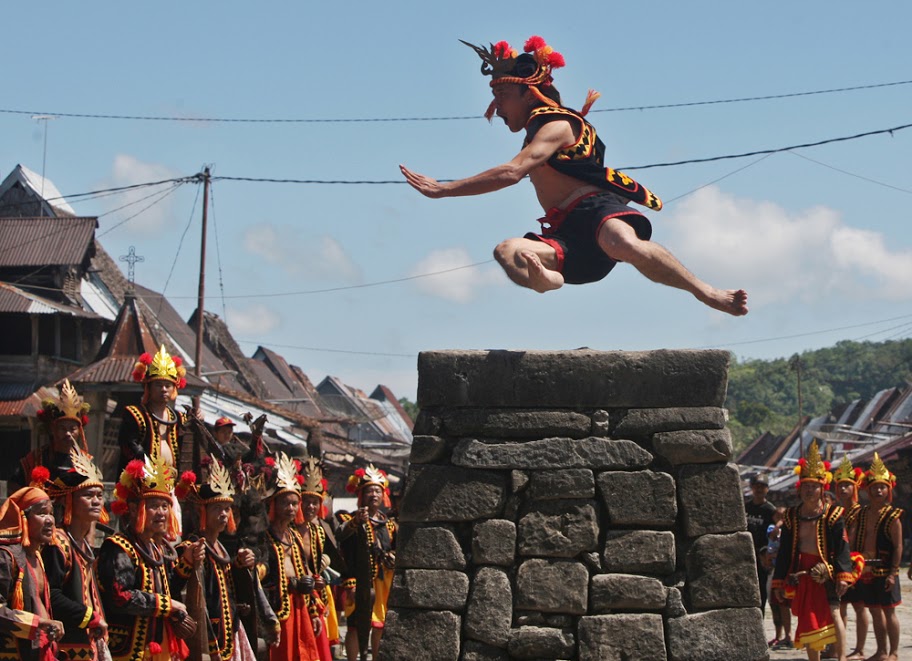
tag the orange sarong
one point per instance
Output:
(298, 642)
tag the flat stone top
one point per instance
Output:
(573, 379)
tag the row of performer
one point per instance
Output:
(827, 553)
(200, 562)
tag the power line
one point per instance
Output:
(346, 351)
(161, 196)
(805, 145)
(852, 174)
(177, 254)
(337, 120)
(816, 332)
(710, 159)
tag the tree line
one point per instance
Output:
(763, 394)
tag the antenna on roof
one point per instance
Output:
(45, 119)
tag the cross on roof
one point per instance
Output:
(131, 258)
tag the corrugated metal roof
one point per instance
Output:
(46, 241)
(22, 399)
(13, 299)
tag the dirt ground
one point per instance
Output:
(905, 631)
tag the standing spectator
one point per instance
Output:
(779, 605)
(759, 518)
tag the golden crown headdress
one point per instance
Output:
(363, 477)
(878, 473)
(160, 366)
(143, 479)
(813, 468)
(286, 475)
(847, 473)
(69, 405)
(219, 487)
(83, 475)
(314, 482)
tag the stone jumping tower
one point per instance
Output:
(573, 505)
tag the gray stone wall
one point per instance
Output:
(573, 505)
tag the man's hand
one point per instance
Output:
(246, 558)
(841, 587)
(317, 625)
(273, 635)
(424, 185)
(195, 553)
(177, 606)
(53, 628)
(99, 631)
(319, 583)
(888, 584)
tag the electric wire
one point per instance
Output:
(218, 254)
(177, 254)
(338, 120)
(851, 174)
(161, 196)
(809, 333)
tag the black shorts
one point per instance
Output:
(874, 592)
(574, 236)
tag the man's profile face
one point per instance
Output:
(217, 515)
(40, 521)
(512, 105)
(66, 433)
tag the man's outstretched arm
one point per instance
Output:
(550, 138)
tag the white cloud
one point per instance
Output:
(460, 285)
(128, 171)
(779, 255)
(252, 320)
(313, 257)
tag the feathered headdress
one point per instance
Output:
(69, 405)
(363, 477)
(83, 475)
(813, 469)
(314, 482)
(281, 476)
(141, 480)
(219, 488)
(161, 366)
(533, 68)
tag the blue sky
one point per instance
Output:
(817, 248)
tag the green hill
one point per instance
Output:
(763, 394)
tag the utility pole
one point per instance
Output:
(200, 301)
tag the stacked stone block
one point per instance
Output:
(573, 505)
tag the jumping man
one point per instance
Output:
(588, 227)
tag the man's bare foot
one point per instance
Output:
(877, 656)
(540, 278)
(730, 301)
(855, 655)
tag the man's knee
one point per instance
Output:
(619, 241)
(505, 251)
